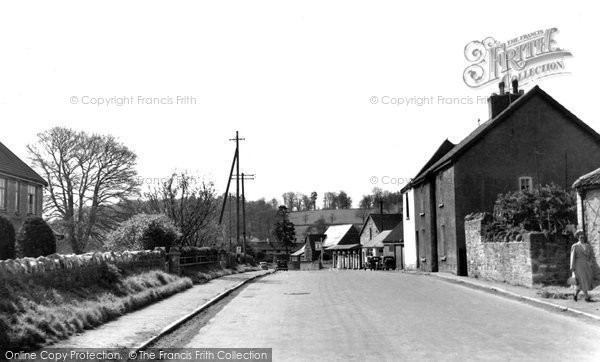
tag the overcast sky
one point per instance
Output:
(295, 78)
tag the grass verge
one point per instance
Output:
(33, 315)
(204, 276)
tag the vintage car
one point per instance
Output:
(389, 263)
(373, 263)
(282, 265)
(264, 265)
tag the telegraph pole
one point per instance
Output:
(237, 140)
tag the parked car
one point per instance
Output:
(264, 265)
(373, 263)
(282, 265)
(389, 263)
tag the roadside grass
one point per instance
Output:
(557, 292)
(204, 276)
(33, 315)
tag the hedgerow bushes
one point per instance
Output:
(143, 232)
(7, 239)
(548, 208)
(35, 238)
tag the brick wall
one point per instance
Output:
(77, 270)
(536, 259)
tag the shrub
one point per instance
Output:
(548, 208)
(7, 239)
(143, 232)
(35, 238)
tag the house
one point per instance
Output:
(317, 221)
(311, 250)
(21, 188)
(273, 250)
(530, 139)
(410, 234)
(372, 227)
(588, 208)
(342, 245)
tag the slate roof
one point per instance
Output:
(441, 151)
(396, 235)
(589, 180)
(383, 221)
(300, 252)
(12, 165)
(487, 126)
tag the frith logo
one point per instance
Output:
(526, 58)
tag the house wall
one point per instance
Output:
(535, 140)
(446, 221)
(591, 217)
(16, 211)
(536, 259)
(425, 227)
(409, 229)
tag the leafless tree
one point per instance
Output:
(191, 204)
(87, 175)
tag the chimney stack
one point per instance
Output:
(499, 102)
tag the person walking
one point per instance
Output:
(582, 261)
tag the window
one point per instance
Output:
(370, 233)
(2, 193)
(525, 183)
(407, 207)
(17, 197)
(31, 200)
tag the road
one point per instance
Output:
(379, 316)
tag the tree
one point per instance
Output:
(298, 198)
(330, 201)
(313, 200)
(284, 230)
(143, 232)
(306, 203)
(191, 204)
(344, 201)
(289, 200)
(318, 227)
(87, 175)
(7, 239)
(35, 238)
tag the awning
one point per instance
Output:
(344, 247)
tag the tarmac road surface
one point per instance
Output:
(377, 316)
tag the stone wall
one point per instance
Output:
(535, 259)
(77, 270)
(310, 265)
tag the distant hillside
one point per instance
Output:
(304, 219)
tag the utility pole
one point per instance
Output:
(237, 140)
(244, 177)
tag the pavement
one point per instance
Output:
(389, 316)
(136, 329)
(530, 295)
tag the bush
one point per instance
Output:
(7, 239)
(143, 232)
(35, 238)
(549, 208)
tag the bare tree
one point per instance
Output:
(87, 175)
(191, 204)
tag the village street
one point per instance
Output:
(362, 315)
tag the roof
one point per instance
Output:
(441, 151)
(12, 165)
(344, 247)
(588, 180)
(300, 252)
(487, 126)
(396, 235)
(377, 241)
(383, 221)
(335, 234)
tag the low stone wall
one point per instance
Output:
(293, 265)
(77, 270)
(536, 259)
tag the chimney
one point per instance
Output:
(499, 102)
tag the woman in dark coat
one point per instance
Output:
(582, 262)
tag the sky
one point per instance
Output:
(296, 79)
